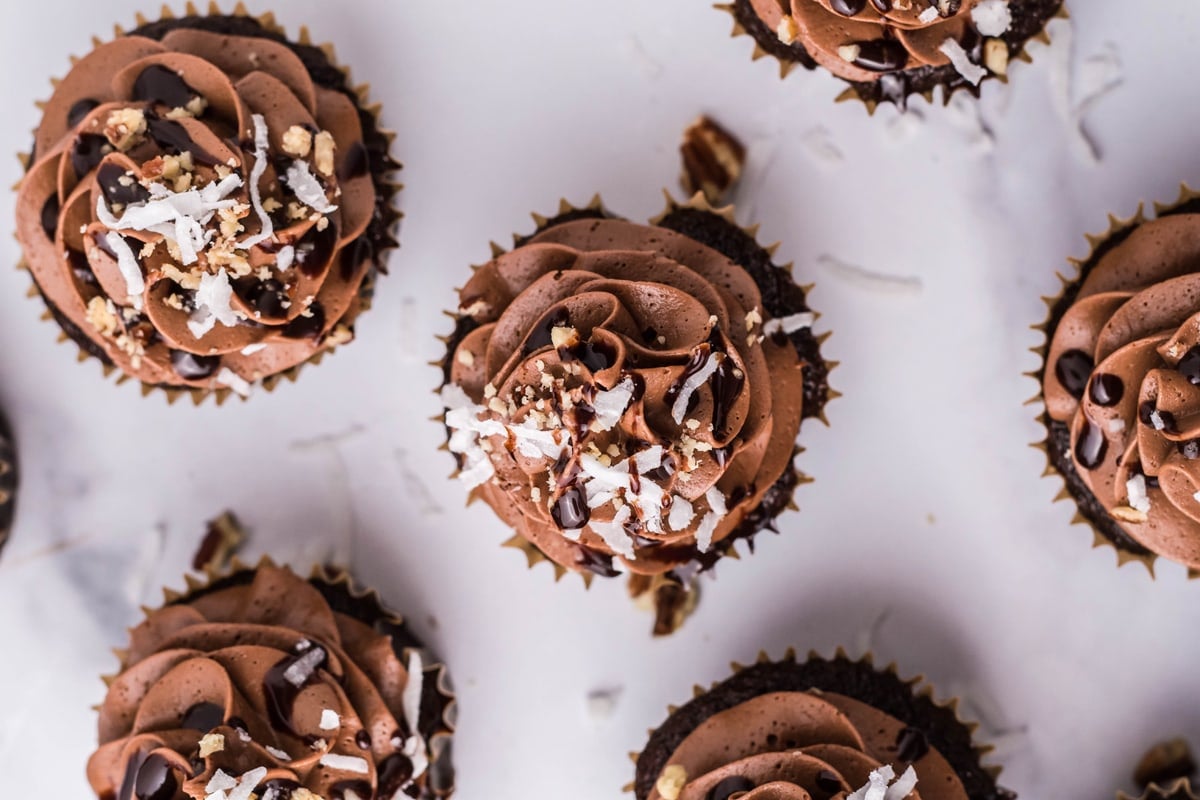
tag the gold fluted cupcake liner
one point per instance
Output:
(336, 578)
(920, 688)
(595, 207)
(386, 182)
(850, 95)
(1181, 789)
(9, 479)
(1118, 228)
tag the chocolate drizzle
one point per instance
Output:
(284, 682)
(89, 150)
(203, 717)
(157, 84)
(79, 110)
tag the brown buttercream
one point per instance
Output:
(801, 746)
(139, 119)
(617, 395)
(268, 677)
(1135, 419)
(824, 31)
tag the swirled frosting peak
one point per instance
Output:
(619, 394)
(1123, 375)
(805, 746)
(196, 208)
(262, 688)
(862, 40)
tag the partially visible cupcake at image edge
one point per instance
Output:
(821, 728)
(263, 684)
(8, 480)
(627, 396)
(1165, 772)
(207, 204)
(888, 50)
(1121, 385)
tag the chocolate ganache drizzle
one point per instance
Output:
(1123, 378)
(864, 40)
(196, 209)
(619, 394)
(263, 687)
(805, 746)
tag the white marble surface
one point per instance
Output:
(928, 536)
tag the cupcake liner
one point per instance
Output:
(379, 141)
(1179, 790)
(912, 701)
(345, 596)
(1056, 446)
(766, 43)
(9, 476)
(718, 229)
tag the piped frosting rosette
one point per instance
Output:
(889, 49)
(620, 396)
(817, 730)
(1122, 388)
(198, 209)
(266, 685)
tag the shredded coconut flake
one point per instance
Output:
(418, 754)
(692, 383)
(929, 15)
(614, 534)
(307, 188)
(1116, 425)
(708, 525)
(411, 698)
(135, 284)
(220, 782)
(611, 404)
(330, 721)
(213, 304)
(345, 763)
(962, 61)
(880, 785)
(300, 670)
(261, 145)
(279, 754)
(992, 17)
(236, 382)
(789, 324)
(682, 514)
(285, 258)
(1138, 499)
(1156, 420)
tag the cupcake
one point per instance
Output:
(821, 728)
(1121, 383)
(888, 50)
(8, 481)
(1165, 773)
(206, 204)
(263, 684)
(627, 397)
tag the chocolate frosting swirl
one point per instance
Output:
(889, 35)
(616, 396)
(197, 207)
(805, 746)
(1123, 374)
(266, 680)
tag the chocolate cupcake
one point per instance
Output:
(263, 682)
(207, 204)
(8, 481)
(888, 50)
(822, 728)
(1165, 772)
(1121, 384)
(628, 396)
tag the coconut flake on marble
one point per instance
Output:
(261, 147)
(345, 763)
(789, 324)
(962, 61)
(307, 188)
(992, 17)
(1139, 500)
(692, 383)
(213, 299)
